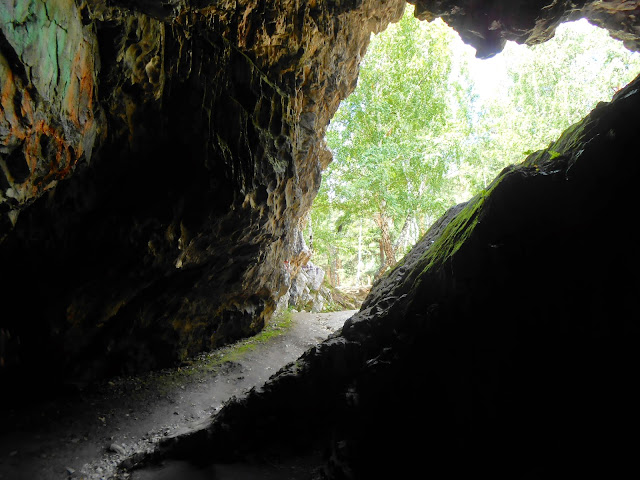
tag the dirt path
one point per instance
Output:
(85, 434)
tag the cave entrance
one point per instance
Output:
(429, 125)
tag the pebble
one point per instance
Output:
(71, 471)
(114, 447)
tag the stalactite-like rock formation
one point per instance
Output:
(488, 25)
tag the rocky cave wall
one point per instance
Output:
(156, 161)
(488, 25)
(157, 158)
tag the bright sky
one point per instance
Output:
(490, 74)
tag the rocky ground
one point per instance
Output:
(85, 433)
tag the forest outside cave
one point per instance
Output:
(429, 126)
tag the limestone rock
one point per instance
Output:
(305, 292)
(345, 298)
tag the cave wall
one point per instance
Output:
(504, 344)
(157, 160)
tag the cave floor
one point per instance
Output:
(86, 433)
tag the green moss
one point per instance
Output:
(236, 351)
(462, 227)
(458, 231)
(331, 306)
(202, 367)
(569, 141)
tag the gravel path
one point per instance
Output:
(86, 434)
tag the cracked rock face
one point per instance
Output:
(50, 115)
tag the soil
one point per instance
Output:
(86, 433)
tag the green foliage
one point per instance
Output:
(417, 135)
(393, 139)
(548, 88)
(387, 135)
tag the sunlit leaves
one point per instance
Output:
(388, 136)
(548, 88)
(417, 135)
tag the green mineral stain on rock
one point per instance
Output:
(47, 36)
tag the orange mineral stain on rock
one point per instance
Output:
(80, 93)
(49, 129)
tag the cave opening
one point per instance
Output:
(430, 125)
(504, 341)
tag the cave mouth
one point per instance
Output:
(236, 72)
(430, 125)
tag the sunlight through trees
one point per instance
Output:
(429, 125)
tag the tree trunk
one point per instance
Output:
(386, 247)
(359, 267)
(401, 241)
(334, 265)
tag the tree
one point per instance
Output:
(389, 137)
(416, 136)
(548, 88)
